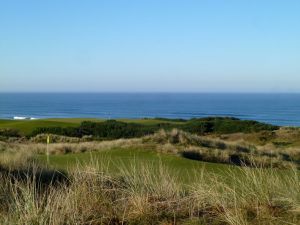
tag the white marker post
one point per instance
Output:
(47, 153)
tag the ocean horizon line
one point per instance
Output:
(146, 92)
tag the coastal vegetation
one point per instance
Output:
(145, 192)
(152, 171)
(125, 128)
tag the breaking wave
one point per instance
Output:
(23, 118)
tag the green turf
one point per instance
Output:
(116, 159)
(27, 126)
(185, 171)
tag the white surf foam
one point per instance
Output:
(23, 118)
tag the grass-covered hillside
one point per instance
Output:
(140, 181)
(220, 171)
(112, 129)
(217, 140)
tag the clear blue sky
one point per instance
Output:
(150, 46)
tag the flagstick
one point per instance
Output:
(47, 153)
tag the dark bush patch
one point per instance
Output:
(239, 160)
(240, 148)
(226, 125)
(269, 154)
(221, 145)
(42, 177)
(112, 129)
(168, 119)
(281, 143)
(192, 155)
(286, 157)
(9, 133)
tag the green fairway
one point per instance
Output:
(115, 160)
(118, 159)
(27, 126)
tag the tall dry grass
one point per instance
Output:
(65, 147)
(215, 150)
(176, 142)
(145, 194)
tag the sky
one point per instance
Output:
(150, 46)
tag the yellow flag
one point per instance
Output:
(48, 139)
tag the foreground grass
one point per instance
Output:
(143, 181)
(146, 193)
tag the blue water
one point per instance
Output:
(280, 109)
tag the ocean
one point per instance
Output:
(279, 109)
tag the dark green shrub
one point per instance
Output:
(9, 133)
(112, 129)
(192, 155)
(225, 125)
